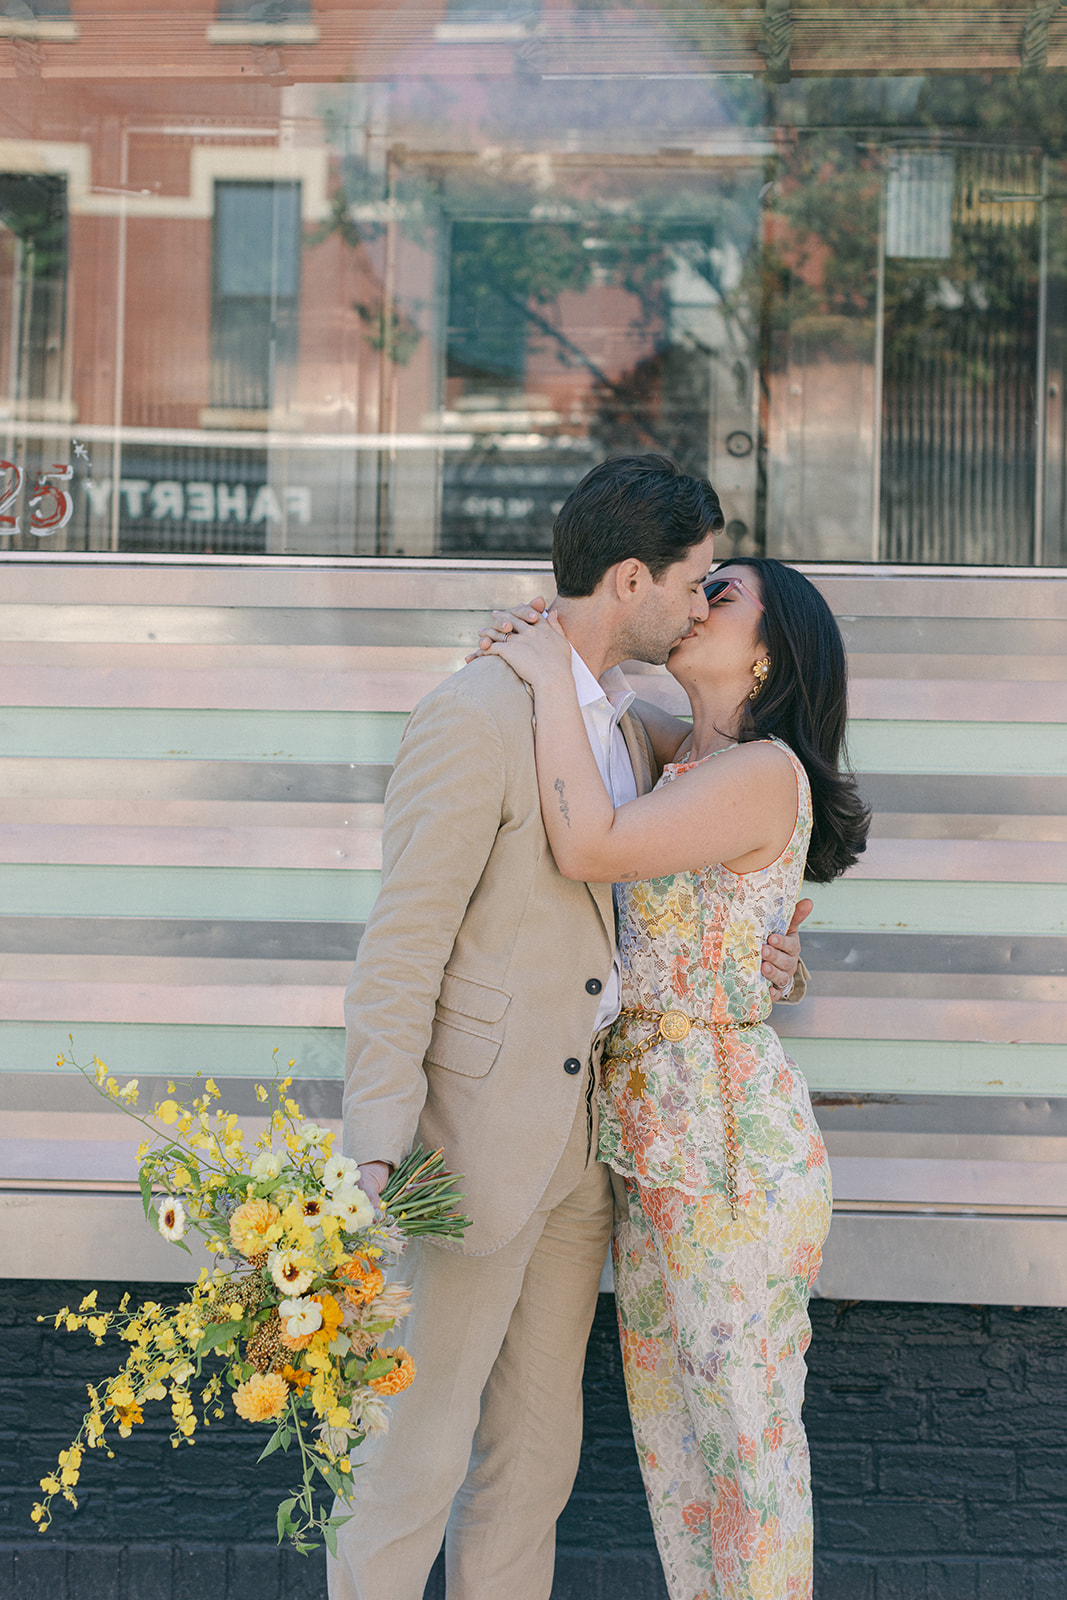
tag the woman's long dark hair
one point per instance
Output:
(803, 702)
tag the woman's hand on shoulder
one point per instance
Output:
(504, 624)
(536, 651)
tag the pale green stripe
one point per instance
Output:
(965, 747)
(298, 894)
(883, 906)
(922, 1066)
(350, 736)
(373, 736)
(854, 1066)
(175, 1049)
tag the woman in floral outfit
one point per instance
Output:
(724, 1186)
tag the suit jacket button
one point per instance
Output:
(593, 986)
(572, 1065)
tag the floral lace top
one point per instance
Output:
(691, 942)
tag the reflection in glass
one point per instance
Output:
(295, 309)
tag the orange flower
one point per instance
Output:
(696, 1514)
(367, 1281)
(644, 1353)
(774, 1432)
(299, 1380)
(401, 1375)
(331, 1321)
(734, 1526)
(249, 1225)
(260, 1397)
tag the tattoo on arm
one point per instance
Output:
(564, 809)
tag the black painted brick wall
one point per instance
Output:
(939, 1450)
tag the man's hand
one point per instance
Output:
(374, 1175)
(781, 953)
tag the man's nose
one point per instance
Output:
(700, 608)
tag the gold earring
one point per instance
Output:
(759, 672)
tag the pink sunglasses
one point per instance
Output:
(717, 589)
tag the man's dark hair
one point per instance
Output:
(640, 508)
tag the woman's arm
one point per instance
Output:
(666, 733)
(743, 802)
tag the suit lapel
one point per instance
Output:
(640, 754)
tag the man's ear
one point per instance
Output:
(630, 578)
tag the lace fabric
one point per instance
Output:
(692, 941)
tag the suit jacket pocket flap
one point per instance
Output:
(473, 999)
(459, 1050)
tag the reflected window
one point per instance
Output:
(27, 10)
(255, 295)
(33, 282)
(268, 12)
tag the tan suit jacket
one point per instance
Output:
(475, 992)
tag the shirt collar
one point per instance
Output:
(612, 687)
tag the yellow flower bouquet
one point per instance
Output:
(294, 1308)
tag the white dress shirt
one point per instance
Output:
(602, 705)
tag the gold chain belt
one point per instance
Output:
(673, 1027)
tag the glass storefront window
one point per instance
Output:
(292, 278)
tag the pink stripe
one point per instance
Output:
(237, 1005)
(59, 844)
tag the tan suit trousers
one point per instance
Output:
(483, 1448)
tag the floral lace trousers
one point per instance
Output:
(714, 1325)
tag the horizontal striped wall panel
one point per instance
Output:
(165, 734)
(215, 893)
(193, 760)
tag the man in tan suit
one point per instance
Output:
(476, 1012)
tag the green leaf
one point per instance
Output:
(217, 1333)
(378, 1369)
(271, 1445)
(284, 1524)
(144, 1180)
(329, 1534)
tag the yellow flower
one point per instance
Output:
(250, 1225)
(168, 1111)
(89, 1303)
(126, 1416)
(261, 1397)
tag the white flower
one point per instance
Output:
(171, 1222)
(128, 1091)
(335, 1439)
(309, 1133)
(353, 1208)
(300, 1317)
(313, 1207)
(289, 1269)
(267, 1165)
(370, 1411)
(339, 1173)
